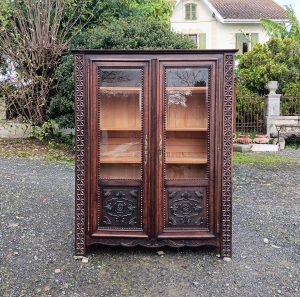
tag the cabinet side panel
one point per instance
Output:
(80, 156)
(226, 245)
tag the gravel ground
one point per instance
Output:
(36, 241)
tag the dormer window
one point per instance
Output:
(190, 11)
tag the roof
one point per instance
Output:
(247, 9)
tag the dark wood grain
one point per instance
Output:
(144, 214)
(80, 137)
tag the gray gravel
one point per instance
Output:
(36, 241)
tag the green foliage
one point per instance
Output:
(5, 13)
(61, 107)
(127, 33)
(44, 132)
(132, 33)
(262, 158)
(95, 13)
(48, 134)
(293, 141)
(157, 9)
(278, 59)
(292, 89)
(243, 91)
(282, 29)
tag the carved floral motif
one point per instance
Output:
(120, 207)
(185, 208)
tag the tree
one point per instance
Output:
(33, 37)
(282, 29)
(133, 32)
(278, 59)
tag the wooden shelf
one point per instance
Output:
(120, 171)
(120, 129)
(120, 160)
(185, 129)
(170, 160)
(185, 89)
(121, 89)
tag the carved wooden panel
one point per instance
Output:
(186, 207)
(120, 207)
(155, 243)
(227, 156)
(80, 156)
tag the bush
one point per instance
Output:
(128, 33)
(293, 141)
(278, 59)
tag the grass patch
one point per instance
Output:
(58, 158)
(262, 158)
(32, 148)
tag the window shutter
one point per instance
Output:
(254, 39)
(202, 41)
(239, 42)
(187, 12)
(193, 11)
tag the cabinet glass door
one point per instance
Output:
(120, 107)
(122, 149)
(186, 123)
(185, 150)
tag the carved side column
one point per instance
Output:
(80, 247)
(226, 244)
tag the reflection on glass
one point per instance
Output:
(186, 122)
(120, 109)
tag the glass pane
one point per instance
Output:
(120, 109)
(186, 122)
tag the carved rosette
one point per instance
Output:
(80, 156)
(185, 208)
(226, 249)
(120, 208)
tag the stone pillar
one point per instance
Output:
(272, 109)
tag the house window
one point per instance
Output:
(199, 39)
(245, 46)
(190, 11)
(194, 37)
(245, 42)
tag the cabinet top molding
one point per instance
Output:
(153, 51)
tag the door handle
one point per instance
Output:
(160, 149)
(146, 150)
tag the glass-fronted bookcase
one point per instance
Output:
(153, 148)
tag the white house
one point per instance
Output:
(225, 24)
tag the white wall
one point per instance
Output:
(218, 35)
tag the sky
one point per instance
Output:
(295, 4)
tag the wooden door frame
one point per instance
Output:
(162, 231)
(94, 186)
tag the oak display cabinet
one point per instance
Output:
(154, 148)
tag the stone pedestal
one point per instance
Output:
(272, 109)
